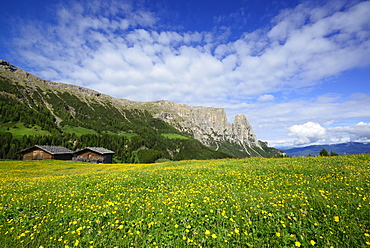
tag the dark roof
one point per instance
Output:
(99, 150)
(51, 149)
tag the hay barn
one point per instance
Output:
(95, 155)
(46, 152)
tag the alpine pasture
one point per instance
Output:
(255, 202)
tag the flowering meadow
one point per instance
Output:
(254, 202)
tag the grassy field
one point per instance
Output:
(174, 136)
(18, 130)
(288, 202)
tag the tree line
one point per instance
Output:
(325, 153)
(134, 150)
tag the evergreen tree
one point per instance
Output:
(333, 153)
(323, 152)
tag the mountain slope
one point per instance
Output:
(147, 130)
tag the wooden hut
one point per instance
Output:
(46, 152)
(95, 155)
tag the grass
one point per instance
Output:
(174, 136)
(128, 135)
(288, 202)
(18, 130)
(109, 132)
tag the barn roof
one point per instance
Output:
(99, 150)
(53, 150)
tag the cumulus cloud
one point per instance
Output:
(359, 132)
(309, 132)
(313, 133)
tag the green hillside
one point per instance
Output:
(30, 115)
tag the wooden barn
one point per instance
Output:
(46, 152)
(95, 155)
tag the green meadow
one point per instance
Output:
(174, 136)
(255, 202)
(18, 130)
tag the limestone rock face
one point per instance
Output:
(207, 124)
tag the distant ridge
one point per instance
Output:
(340, 149)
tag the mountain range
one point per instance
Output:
(340, 149)
(34, 110)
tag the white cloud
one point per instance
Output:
(309, 132)
(313, 133)
(265, 98)
(358, 132)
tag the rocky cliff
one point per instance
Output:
(209, 125)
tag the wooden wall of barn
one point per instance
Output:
(38, 154)
(90, 156)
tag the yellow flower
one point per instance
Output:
(277, 234)
(297, 243)
(236, 230)
(336, 218)
(312, 242)
(176, 226)
(214, 236)
(207, 232)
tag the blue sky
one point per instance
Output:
(299, 70)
